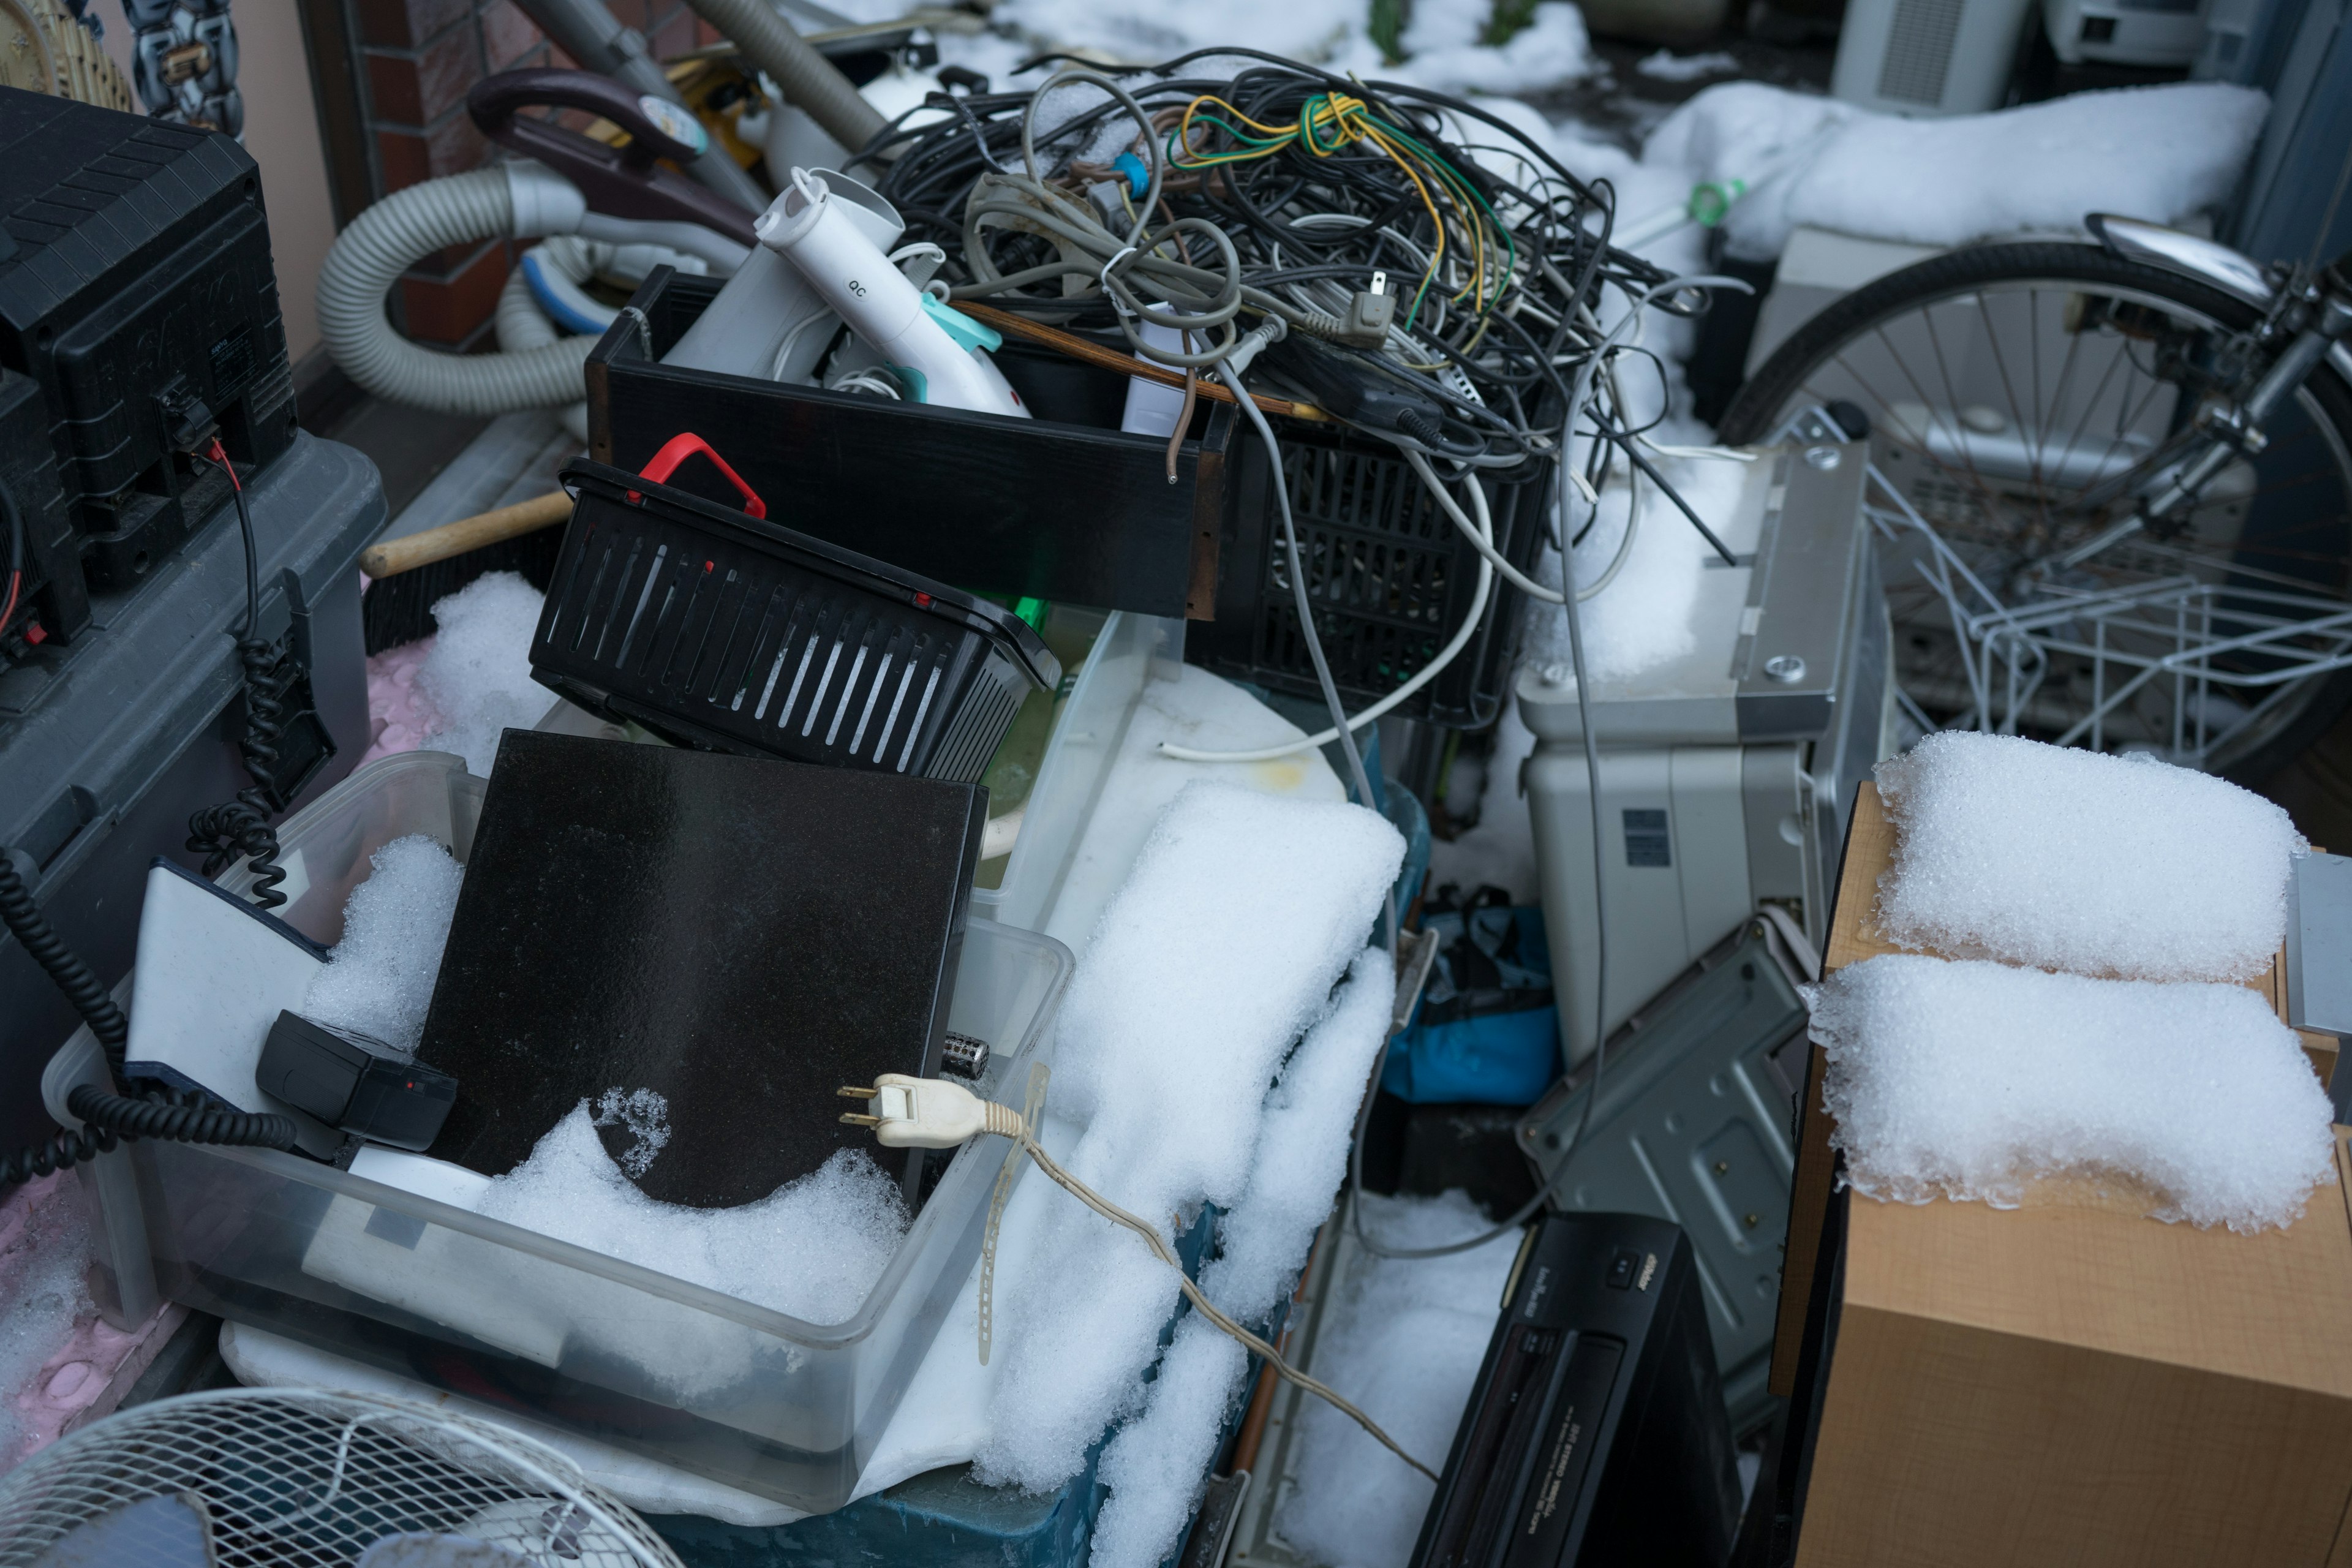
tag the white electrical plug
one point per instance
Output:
(927, 1112)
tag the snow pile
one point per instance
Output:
(813, 1248)
(1667, 66)
(1643, 617)
(1403, 1339)
(1971, 1080)
(1222, 948)
(2164, 153)
(1157, 1464)
(1443, 42)
(379, 978)
(1443, 49)
(2079, 861)
(477, 676)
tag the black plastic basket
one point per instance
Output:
(719, 628)
(1389, 576)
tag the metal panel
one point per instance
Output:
(1692, 1125)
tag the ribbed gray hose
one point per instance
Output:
(367, 260)
(808, 80)
(523, 328)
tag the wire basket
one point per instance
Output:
(295, 1478)
(1389, 576)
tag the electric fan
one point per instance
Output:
(295, 1478)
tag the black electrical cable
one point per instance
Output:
(240, 828)
(108, 1118)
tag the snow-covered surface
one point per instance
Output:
(2078, 860)
(379, 978)
(813, 1248)
(1196, 709)
(1668, 66)
(2164, 153)
(1403, 1339)
(478, 675)
(1974, 1079)
(1156, 1465)
(1222, 948)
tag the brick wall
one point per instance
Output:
(419, 59)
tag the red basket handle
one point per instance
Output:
(678, 449)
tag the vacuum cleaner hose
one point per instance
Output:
(367, 260)
(808, 80)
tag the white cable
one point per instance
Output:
(1421, 677)
(1481, 539)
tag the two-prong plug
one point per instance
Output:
(926, 1112)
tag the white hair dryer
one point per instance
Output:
(938, 353)
(768, 322)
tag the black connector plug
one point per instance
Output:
(354, 1082)
(1353, 389)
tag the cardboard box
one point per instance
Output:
(2070, 1382)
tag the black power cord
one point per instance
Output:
(107, 1118)
(240, 828)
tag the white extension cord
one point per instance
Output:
(933, 1113)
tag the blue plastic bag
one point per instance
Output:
(1486, 1030)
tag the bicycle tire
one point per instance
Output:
(1757, 411)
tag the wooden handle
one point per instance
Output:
(394, 556)
(1095, 353)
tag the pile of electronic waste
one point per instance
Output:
(1318, 365)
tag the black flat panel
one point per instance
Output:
(738, 936)
(1064, 511)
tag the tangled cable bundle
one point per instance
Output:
(1161, 198)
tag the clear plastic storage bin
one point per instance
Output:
(1020, 888)
(558, 1333)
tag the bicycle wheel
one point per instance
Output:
(2006, 388)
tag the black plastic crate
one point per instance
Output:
(1065, 505)
(1389, 576)
(716, 627)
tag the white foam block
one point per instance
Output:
(2077, 860)
(1157, 1465)
(1972, 1079)
(477, 676)
(1223, 946)
(379, 978)
(1402, 1338)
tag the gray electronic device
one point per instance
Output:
(1692, 1125)
(1727, 773)
(2319, 956)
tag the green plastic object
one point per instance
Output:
(1712, 199)
(968, 333)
